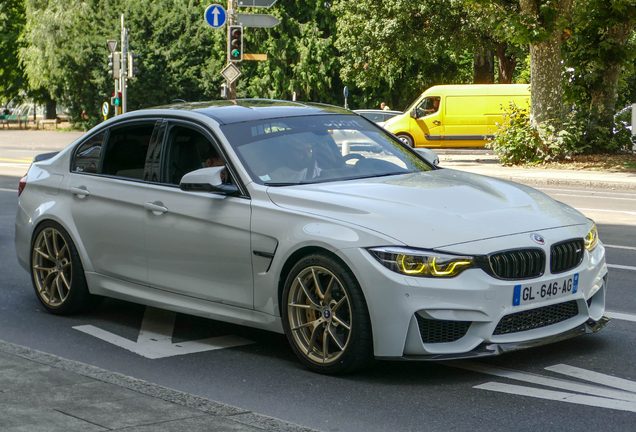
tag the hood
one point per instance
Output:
(431, 209)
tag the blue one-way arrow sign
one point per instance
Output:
(215, 16)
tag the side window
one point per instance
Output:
(428, 106)
(88, 155)
(188, 150)
(125, 154)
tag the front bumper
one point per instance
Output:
(493, 349)
(398, 305)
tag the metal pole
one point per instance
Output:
(231, 20)
(124, 64)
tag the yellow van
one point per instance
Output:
(457, 115)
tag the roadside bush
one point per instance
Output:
(578, 132)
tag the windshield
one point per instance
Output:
(314, 149)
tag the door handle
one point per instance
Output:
(81, 191)
(156, 207)
(437, 122)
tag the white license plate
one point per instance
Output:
(524, 294)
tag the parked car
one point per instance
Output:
(377, 116)
(354, 254)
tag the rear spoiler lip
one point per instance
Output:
(44, 156)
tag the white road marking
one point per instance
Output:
(8, 190)
(606, 211)
(559, 396)
(622, 267)
(621, 397)
(594, 377)
(155, 337)
(546, 381)
(595, 196)
(619, 247)
(588, 191)
(621, 316)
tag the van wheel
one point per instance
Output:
(406, 139)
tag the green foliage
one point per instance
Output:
(12, 23)
(518, 142)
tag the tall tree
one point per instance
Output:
(539, 24)
(598, 52)
(12, 21)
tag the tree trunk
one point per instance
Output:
(546, 95)
(605, 94)
(506, 64)
(484, 66)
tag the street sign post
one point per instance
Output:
(215, 16)
(346, 95)
(257, 20)
(231, 73)
(105, 110)
(256, 3)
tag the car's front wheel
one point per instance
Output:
(406, 139)
(57, 272)
(325, 316)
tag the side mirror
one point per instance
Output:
(414, 113)
(428, 154)
(207, 180)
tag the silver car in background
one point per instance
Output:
(308, 220)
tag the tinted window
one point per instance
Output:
(187, 150)
(314, 149)
(89, 154)
(376, 117)
(125, 154)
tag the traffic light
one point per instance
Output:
(236, 44)
(116, 100)
(132, 64)
(114, 65)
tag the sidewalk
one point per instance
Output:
(480, 161)
(43, 392)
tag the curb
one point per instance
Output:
(591, 184)
(228, 412)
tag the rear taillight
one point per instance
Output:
(22, 184)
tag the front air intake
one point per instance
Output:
(438, 331)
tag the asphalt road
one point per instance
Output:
(580, 384)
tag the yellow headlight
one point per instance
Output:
(440, 266)
(591, 239)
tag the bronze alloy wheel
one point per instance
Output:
(52, 267)
(319, 313)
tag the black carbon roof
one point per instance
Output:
(242, 110)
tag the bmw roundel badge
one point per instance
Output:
(537, 238)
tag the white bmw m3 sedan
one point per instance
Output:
(308, 220)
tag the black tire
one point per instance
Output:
(406, 139)
(57, 272)
(322, 300)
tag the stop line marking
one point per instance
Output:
(621, 316)
(605, 391)
(8, 190)
(606, 211)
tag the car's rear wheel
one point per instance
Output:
(406, 139)
(57, 272)
(325, 316)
